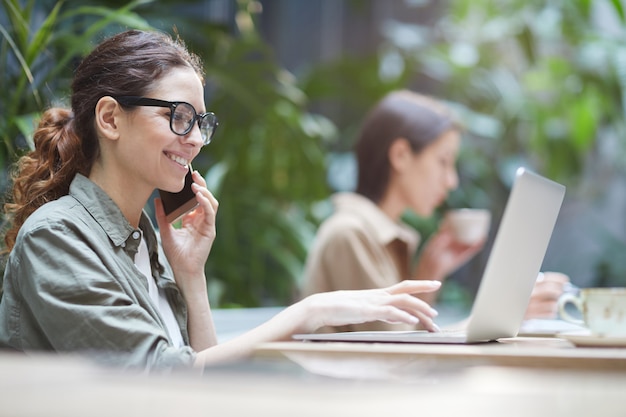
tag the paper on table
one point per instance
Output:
(547, 327)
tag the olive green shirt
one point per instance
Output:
(71, 285)
(359, 247)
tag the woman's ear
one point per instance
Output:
(108, 113)
(400, 154)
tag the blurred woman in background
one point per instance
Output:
(406, 155)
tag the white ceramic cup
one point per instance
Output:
(469, 225)
(603, 310)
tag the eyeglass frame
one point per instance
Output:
(154, 102)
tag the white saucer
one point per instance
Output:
(587, 339)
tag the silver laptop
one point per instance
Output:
(510, 274)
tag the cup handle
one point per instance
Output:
(563, 301)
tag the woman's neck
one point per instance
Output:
(391, 205)
(128, 197)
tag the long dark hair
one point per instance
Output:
(66, 142)
(400, 114)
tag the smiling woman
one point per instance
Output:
(87, 270)
(182, 115)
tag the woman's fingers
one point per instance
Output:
(557, 277)
(414, 286)
(416, 309)
(547, 291)
(541, 309)
(407, 305)
(206, 212)
(200, 188)
(187, 247)
(544, 299)
(394, 305)
(204, 196)
(549, 286)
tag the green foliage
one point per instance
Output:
(535, 82)
(533, 68)
(37, 50)
(270, 169)
(539, 83)
(542, 82)
(265, 165)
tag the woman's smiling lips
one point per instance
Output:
(178, 159)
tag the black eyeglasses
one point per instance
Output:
(182, 115)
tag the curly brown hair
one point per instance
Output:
(66, 142)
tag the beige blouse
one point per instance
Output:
(359, 247)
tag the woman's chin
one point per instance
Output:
(173, 188)
(423, 211)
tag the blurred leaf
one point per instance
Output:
(619, 8)
(584, 121)
(42, 36)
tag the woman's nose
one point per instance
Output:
(194, 137)
(453, 179)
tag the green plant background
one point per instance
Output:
(540, 83)
(536, 83)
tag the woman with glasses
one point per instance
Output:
(88, 273)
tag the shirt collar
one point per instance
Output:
(384, 228)
(109, 216)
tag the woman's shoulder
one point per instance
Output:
(51, 229)
(341, 230)
(353, 214)
(341, 222)
(58, 213)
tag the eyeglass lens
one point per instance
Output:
(183, 118)
(207, 127)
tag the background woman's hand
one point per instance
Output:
(543, 301)
(187, 248)
(443, 254)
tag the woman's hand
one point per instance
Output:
(187, 248)
(543, 301)
(395, 304)
(443, 254)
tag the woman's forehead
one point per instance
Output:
(449, 141)
(180, 84)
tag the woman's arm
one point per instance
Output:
(200, 324)
(441, 256)
(395, 304)
(187, 249)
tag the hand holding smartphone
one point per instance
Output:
(178, 204)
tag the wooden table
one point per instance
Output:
(513, 379)
(530, 352)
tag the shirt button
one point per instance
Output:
(136, 235)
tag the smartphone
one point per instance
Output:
(180, 203)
